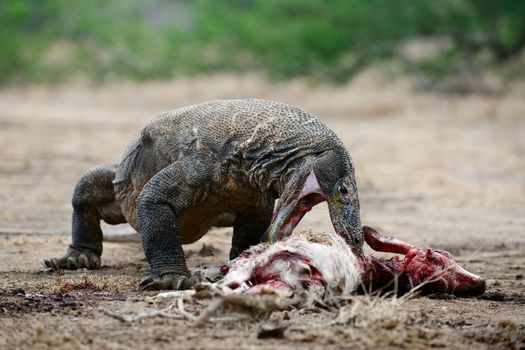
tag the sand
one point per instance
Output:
(436, 170)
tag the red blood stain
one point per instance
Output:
(434, 271)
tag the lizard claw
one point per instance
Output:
(71, 263)
(52, 264)
(169, 281)
(73, 260)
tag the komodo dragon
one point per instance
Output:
(192, 166)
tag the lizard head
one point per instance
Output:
(331, 179)
(335, 174)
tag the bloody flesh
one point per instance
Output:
(325, 265)
(434, 270)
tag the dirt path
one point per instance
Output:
(440, 171)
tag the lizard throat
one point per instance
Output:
(310, 195)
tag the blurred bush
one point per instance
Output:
(54, 40)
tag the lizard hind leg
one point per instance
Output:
(93, 200)
(250, 228)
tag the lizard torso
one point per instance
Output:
(249, 145)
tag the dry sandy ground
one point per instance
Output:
(434, 170)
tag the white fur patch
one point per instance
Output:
(303, 266)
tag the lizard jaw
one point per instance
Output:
(288, 217)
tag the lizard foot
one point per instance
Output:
(170, 281)
(74, 259)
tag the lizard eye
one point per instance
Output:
(343, 189)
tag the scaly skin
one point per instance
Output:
(215, 162)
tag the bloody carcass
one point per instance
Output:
(307, 266)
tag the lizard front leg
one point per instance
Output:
(164, 197)
(93, 200)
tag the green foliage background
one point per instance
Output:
(54, 40)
